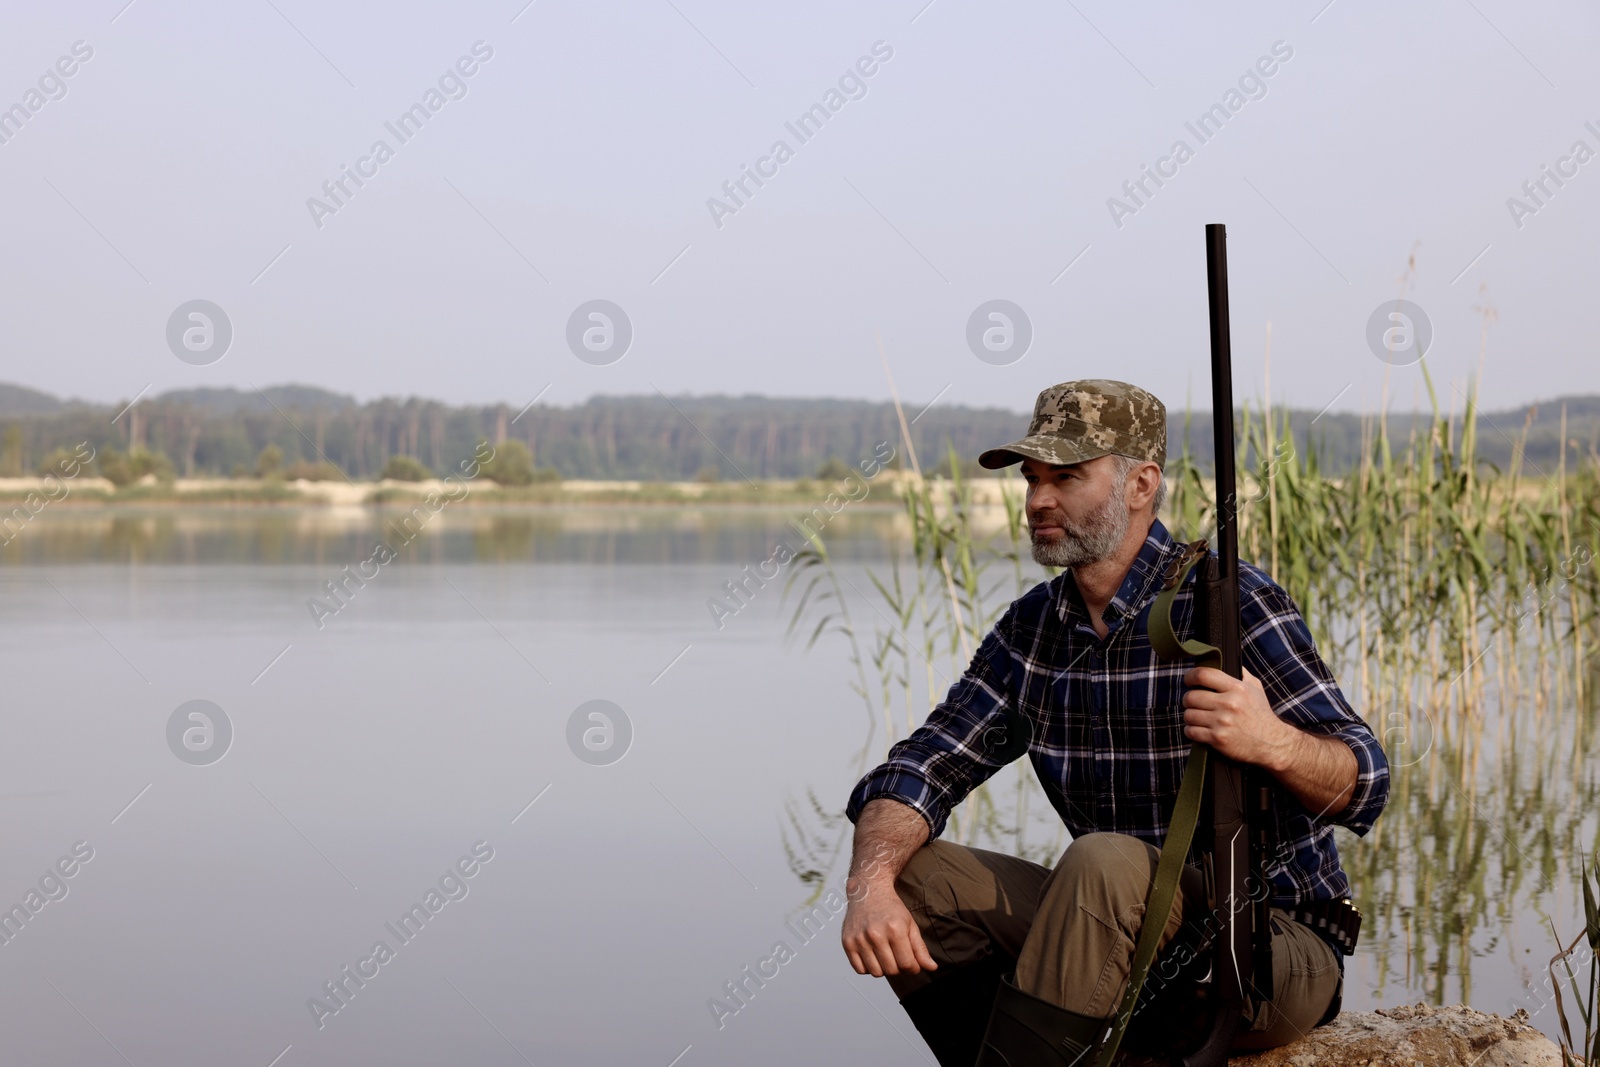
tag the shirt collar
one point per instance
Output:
(1145, 572)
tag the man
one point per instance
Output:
(957, 930)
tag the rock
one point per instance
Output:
(1415, 1036)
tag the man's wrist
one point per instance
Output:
(858, 886)
(1285, 753)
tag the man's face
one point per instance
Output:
(1077, 513)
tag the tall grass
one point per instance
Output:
(909, 636)
(1425, 569)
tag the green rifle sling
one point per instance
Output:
(1185, 812)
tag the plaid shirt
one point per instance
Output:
(1107, 719)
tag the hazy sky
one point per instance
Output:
(975, 163)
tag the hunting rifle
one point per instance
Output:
(1233, 802)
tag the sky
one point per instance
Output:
(983, 158)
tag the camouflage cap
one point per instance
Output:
(1083, 420)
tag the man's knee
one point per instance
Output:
(1114, 861)
(1306, 977)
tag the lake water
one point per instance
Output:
(432, 715)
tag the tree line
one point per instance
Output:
(299, 431)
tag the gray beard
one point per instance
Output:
(1099, 536)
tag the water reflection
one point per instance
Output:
(1475, 857)
(575, 534)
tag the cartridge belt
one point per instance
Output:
(1337, 922)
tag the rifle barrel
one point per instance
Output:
(1222, 421)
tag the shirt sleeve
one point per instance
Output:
(1279, 651)
(940, 762)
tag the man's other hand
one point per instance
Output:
(880, 937)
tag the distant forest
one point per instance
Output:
(224, 431)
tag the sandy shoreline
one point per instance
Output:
(87, 491)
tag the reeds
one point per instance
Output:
(945, 587)
(1587, 1052)
(1412, 566)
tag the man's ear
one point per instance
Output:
(1142, 486)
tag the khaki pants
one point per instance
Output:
(1072, 931)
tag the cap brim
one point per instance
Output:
(1046, 448)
